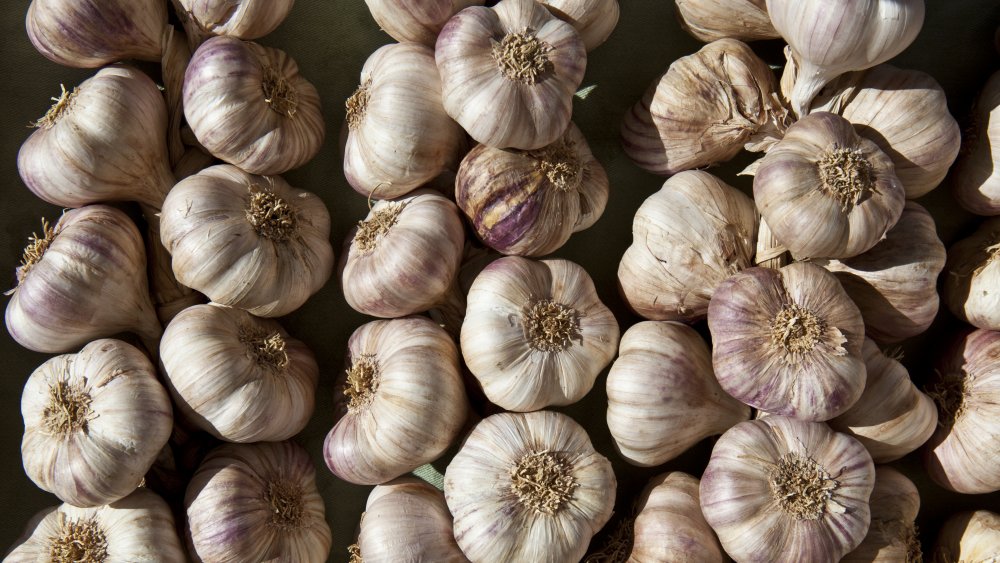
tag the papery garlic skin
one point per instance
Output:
(892, 536)
(246, 241)
(536, 333)
(244, 19)
(509, 72)
(708, 20)
(249, 106)
(401, 404)
(418, 21)
(662, 395)
(779, 489)
(251, 503)
(528, 487)
(594, 20)
(670, 526)
(970, 284)
(969, 536)
(686, 239)
(977, 183)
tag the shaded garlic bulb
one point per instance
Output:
(708, 20)
(670, 526)
(963, 455)
(244, 19)
(892, 417)
(401, 404)
(508, 73)
(536, 333)
(257, 502)
(686, 239)
(247, 241)
(662, 395)
(826, 192)
(779, 489)
(594, 20)
(528, 203)
(399, 136)
(236, 376)
(418, 21)
(894, 283)
(84, 278)
(788, 341)
(977, 182)
(892, 536)
(969, 536)
(403, 258)
(971, 288)
(249, 106)
(528, 487)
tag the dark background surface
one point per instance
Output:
(331, 40)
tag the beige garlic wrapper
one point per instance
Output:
(399, 136)
(708, 20)
(244, 19)
(535, 333)
(246, 241)
(662, 395)
(780, 489)
(250, 503)
(971, 289)
(404, 257)
(977, 183)
(401, 404)
(826, 192)
(686, 239)
(249, 106)
(788, 341)
(969, 536)
(594, 20)
(508, 73)
(892, 535)
(528, 487)
(528, 203)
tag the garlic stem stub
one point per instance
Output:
(892, 535)
(971, 289)
(416, 21)
(594, 20)
(244, 19)
(977, 184)
(708, 20)
(969, 536)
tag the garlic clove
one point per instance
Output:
(977, 183)
(970, 286)
(969, 536)
(708, 20)
(892, 536)
(244, 19)
(594, 20)
(417, 21)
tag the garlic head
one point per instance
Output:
(892, 536)
(594, 20)
(970, 284)
(416, 21)
(969, 536)
(244, 19)
(977, 183)
(708, 20)
(670, 526)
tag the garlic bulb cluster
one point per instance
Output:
(708, 20)
(535, 333)
(508, 73)
(686, 239)
(892, 536)
(249, 106)
(399, 136)
(247, 241)
(257, 502)
(788, 341)
(969, 536)
(662, 395)
(669, 525)
(400, 404)
(977, 184)
(594, 20)
(779, 489)
(970, 284)
(528, 487)
(417, 21)
(244, 19)
(528, 203)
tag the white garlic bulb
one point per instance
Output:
(417, 21)
(247, 241)
(84, 278)
(594, 20)
(400, 404)
(977, 183)
(236, 376)
(708, 20)
(969, 536)
(536, 333)
(780, 489)
(508, 73)
(399, 136)
(892, 536)
(528, 487)
(662, 395)
(249, 106)
(970, 283)
(138, 528)
(669, 525)
(686, 239)
(251, 503)
(244, 19)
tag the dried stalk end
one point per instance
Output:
(79, 541)
(912, 539)
(265, 348)
(285, 500)
(357, 104)
(354, 551)
(362, 382)
(35, 250)
(949, 393)
(847, 176)
(543, 481)
(797, 331)
(618, 547)
(269, 215)
(521, 57)
(68, 410)
(279, 95)
(371, 230)
(802, 487)
(560, 164)
(551, 326)
(61, 106)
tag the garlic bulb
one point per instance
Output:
(788, 341)
(970, 284)
(249, 106)
(670, 526)
(892, 536)
(686, 239)
(417, 21)
(779, 489)
(977, 184)
(528, 203)
(535, 333)
(708, 20)
(892, 417)
(826, 192)
(594, 20)
(84, 278)
(963, 455)
(407, 521)
(257, 502)
(399, 136)
(894, 284)
(244, 19)
(247, 241)
(831, 37)
(662, 395)
(508, 73)
(139, 528)
(403, 257)
(401, 404)
(528, 487)
(969, 536)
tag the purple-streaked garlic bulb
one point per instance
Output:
(417, 21)
(243, 19)
(669, 525)
(892, 536)
(972, 277)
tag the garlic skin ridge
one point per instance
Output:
(417, 21)
(892, 535)
(977, 184)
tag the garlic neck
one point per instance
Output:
(279, 94)
(63, 104)
(270, 216)
(285, 500)
(847, 176)
(79, 541)
(362, 382)
(371, 230)
(35, 250)
(266, 349)
(68, 410)
(550, 326)
(802, 487)
(357, 104)
(560, 165)
(521, 57)
(542, 481)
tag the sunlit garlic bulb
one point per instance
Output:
(969, 536)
